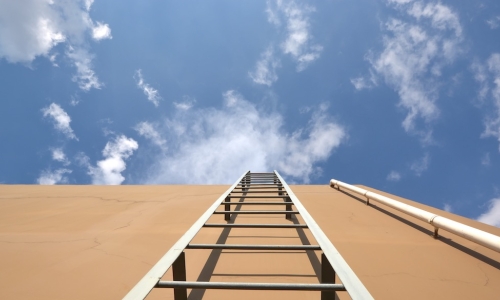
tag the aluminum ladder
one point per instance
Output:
(268, 189)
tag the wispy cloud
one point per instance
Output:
(421, 165)
(32, 28)
(58, 155)
(414, 53)
(394, 176)
(186, 104)
(85, 76)
(149, 131)
(60, 118)
(298, 41)
(152, 94)
(208, 145)
(265, 68)
(493, 22)
(481, 75)
(108, 171)
(492, 216)
(492, 121)
(49, 177)
(361, 83)
(486, 160)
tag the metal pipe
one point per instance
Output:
(470, 233)
(251, 286)
(253, 247)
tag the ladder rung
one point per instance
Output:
(256, 212)
(257, 188)
(252, 286)
(253, 247)
(243, 192)
(257, 203)
(257, 184)
(243, 196)
(256, 225)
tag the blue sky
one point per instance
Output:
(399, 95)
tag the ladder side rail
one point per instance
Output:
(149, 281)
(353, 285)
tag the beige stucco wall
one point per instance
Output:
(96, 242)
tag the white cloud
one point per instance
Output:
(492, 122)
(148, 131)
(32, 28)
(447, 207)
(88, 4)
(486, 160)
(494, 22)
(48, 177)
(152, 94)
(399, 1)
(209, 145)
(412, 58)
(394, 176)
(421, 165)
(85, 75)
(58, 155)
(61, 119)
(101, 31)
(108, 171)
(361, 83)
(265, 68)
(492, 216)
(29, 29)
(186, 104)
(298, 42)
(481, 76)
(441, 16)
(75, 100)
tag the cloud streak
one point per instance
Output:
(152, 94)
(216, 145)
(60, 119)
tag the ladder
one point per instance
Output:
(260, 189)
